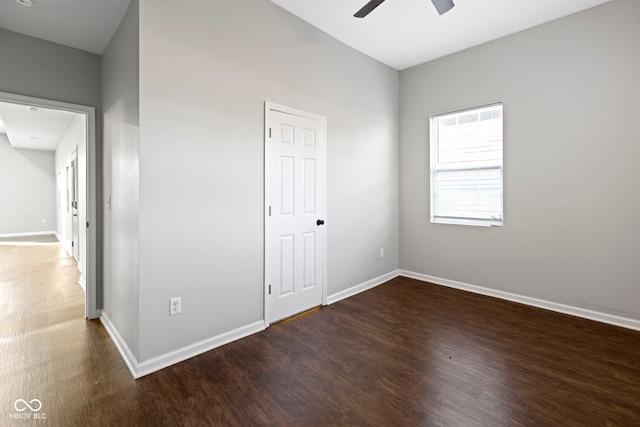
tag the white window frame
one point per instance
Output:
(436, 167)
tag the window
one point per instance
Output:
(466, 166)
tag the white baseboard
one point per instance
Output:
(121, 345)
(192, 350)
(31, 233)
(369, 284)
(64, 245)
(155, 364)
(152, 365)
(82, 284)
(547, 305)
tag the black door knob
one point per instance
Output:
(320, 222)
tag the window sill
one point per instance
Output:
(467, 221)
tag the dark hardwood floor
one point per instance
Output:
(403, 354)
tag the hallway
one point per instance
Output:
(49, 351)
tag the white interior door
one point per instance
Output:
(295, 202)
(74, 193)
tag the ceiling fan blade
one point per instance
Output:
(368, 8)
(443, 6)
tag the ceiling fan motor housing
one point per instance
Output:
(443, 6)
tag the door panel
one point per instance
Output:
(286, 278)
(295, 192)
(309, 260)
(309, 184)
(287, 184)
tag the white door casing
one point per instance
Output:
(295, 211)
(91, 295)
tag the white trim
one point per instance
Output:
(82, 284)
(534, 302)
(465, 109)
(157, 363)
(365, 286)
(121, 345)
(32, 233)
(184, 353)
(66, 247)
(466, 221)
(271, 106)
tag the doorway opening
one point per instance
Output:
(75, 177)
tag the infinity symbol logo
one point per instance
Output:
(21, 405)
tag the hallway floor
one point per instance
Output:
(49, 351)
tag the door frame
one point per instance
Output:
(75, 223)
(268, 108)
(91, 292)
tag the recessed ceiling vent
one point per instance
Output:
(27, 3)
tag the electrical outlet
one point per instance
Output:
(381, 252)
(175, 306)
(44, 220)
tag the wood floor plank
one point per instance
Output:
(406, 353)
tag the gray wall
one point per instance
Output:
(51, 71)
(27, 189)
(571, 94)
(42, 69)
(205, 73)
(120, 95)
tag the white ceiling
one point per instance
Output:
(399, 33)
(83, 24)
(39, 129)
(404, 33)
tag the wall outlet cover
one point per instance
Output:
(175, 306)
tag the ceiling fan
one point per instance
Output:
(442, 6)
